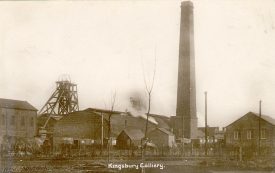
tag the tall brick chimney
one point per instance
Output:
(185, 122)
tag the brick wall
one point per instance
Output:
(17, 123)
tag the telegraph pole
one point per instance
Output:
(102, 133)
(260, 117)
(205, 129)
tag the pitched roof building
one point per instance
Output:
(129, 138)
(16, 104)
(17, 122)
(87, 124)
(252, 133)
(122, 120)
(80, 126)
(161, 137)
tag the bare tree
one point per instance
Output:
(111, 112)
(149, 89)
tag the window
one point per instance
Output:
(263, 133)
(12, 120)
(22, 121)
(249, 134)
(31, 122)
(236, 135)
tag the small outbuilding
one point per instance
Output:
(162, 137)
(129, 138)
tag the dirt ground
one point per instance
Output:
(124, 166)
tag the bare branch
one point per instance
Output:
(153, 81)
(144, 78)
(105, 106)
(149, 92)
(113, 101)
(149, 88)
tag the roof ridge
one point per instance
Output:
(12, 99)
(267, 118)
(16, 104)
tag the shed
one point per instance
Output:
(162, 137)
(129, 138)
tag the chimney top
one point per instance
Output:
(186, 3)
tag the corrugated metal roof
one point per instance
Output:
(268, 119)
(16, 104)
(103, 111)
(166, 131)
(264, 117)
(134, 134)
(133, 121)
(79, 115)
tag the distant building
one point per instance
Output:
(242, 136)
(48, 121)
(162, 137)
(17, 122)
(215, 140)
(214, 135)
(129, 138)
(45, 124)
(122, 120)
(79, 128)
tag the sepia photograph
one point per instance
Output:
(136, 86)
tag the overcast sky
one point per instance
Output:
(103, 44)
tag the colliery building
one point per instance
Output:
(121, 120)
(162, 137)
(17, 123)
(91, 126)
(129, 138)
(215, 141)
(250, 136)
(80, 127)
